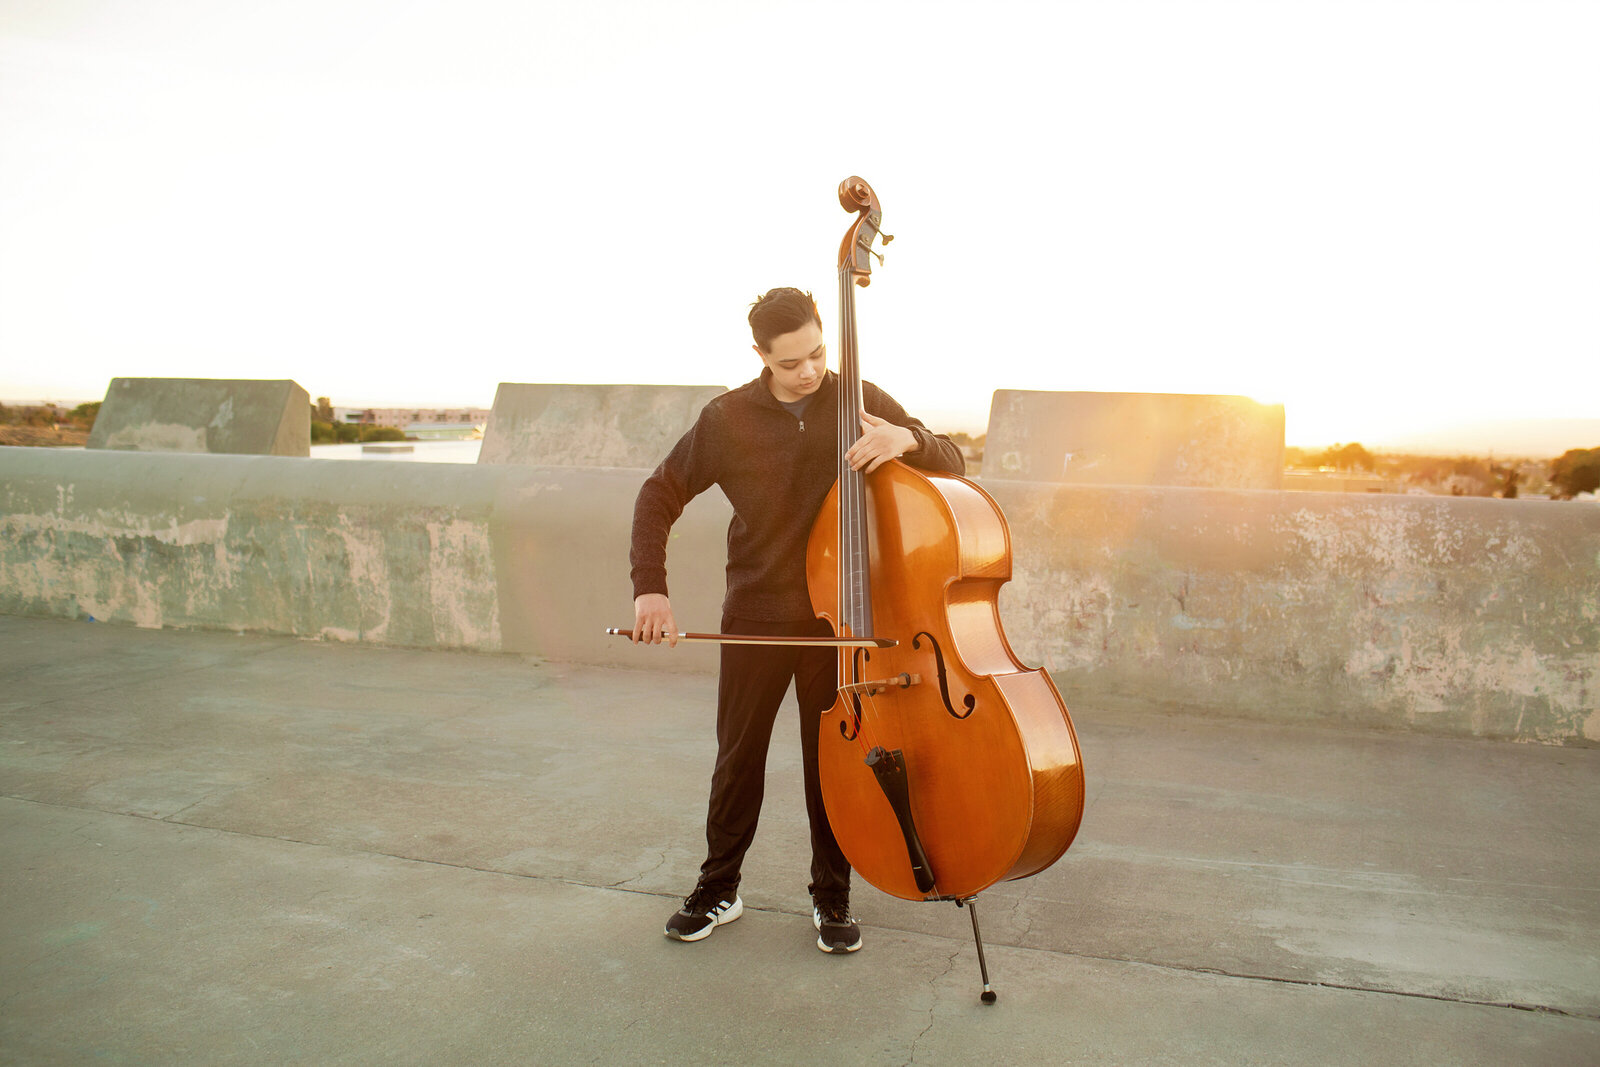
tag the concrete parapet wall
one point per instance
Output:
(488, 558)
(1459, 616)
(1462, 616)
(384, 552)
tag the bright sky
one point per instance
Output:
(1381, 213)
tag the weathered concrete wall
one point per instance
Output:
(561, 540)
(215, 415)
(1457, 615)
(631, 426)
(1460, 616)
(521, 559)
(1221, 442)
(350, 551)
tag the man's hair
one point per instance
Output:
(781, 311)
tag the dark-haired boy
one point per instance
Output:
(772, 446)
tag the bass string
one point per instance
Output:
(853, 582)
(870, 735)
(855, 605)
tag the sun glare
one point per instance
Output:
(407, 208)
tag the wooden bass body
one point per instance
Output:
(992, 775)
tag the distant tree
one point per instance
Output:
(1470, 477)
(41, 415)
(1422, 470)
(84, 414)
(1354, 457)
(1575, 471)
(1339, 457)
(352, 432)
(973, 446)
(1509, 476)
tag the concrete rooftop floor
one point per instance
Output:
(220, 848)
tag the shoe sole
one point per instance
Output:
(700, 935)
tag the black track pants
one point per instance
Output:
(750, 689)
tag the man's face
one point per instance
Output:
(797, 361)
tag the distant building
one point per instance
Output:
(425, 424)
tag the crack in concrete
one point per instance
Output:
(637, 877)
(1345, 987)
(173, 816)
(933, 1004)
(1020, 920)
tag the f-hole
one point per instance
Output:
(850, 726)
(969, 701)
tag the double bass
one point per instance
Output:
(946, 764)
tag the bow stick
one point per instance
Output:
(757, 639)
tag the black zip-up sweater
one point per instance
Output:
(776, 470)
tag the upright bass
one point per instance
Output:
(946, 765)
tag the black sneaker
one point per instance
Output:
(703, 911)
(836, 927)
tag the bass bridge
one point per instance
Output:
(878, 685)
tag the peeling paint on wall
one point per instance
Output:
(255, 549)
(461, 584)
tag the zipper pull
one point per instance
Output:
(802, 425)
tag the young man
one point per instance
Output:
(772, 445)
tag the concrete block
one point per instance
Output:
(216, 415)
(1218, 442)
(590, 425)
